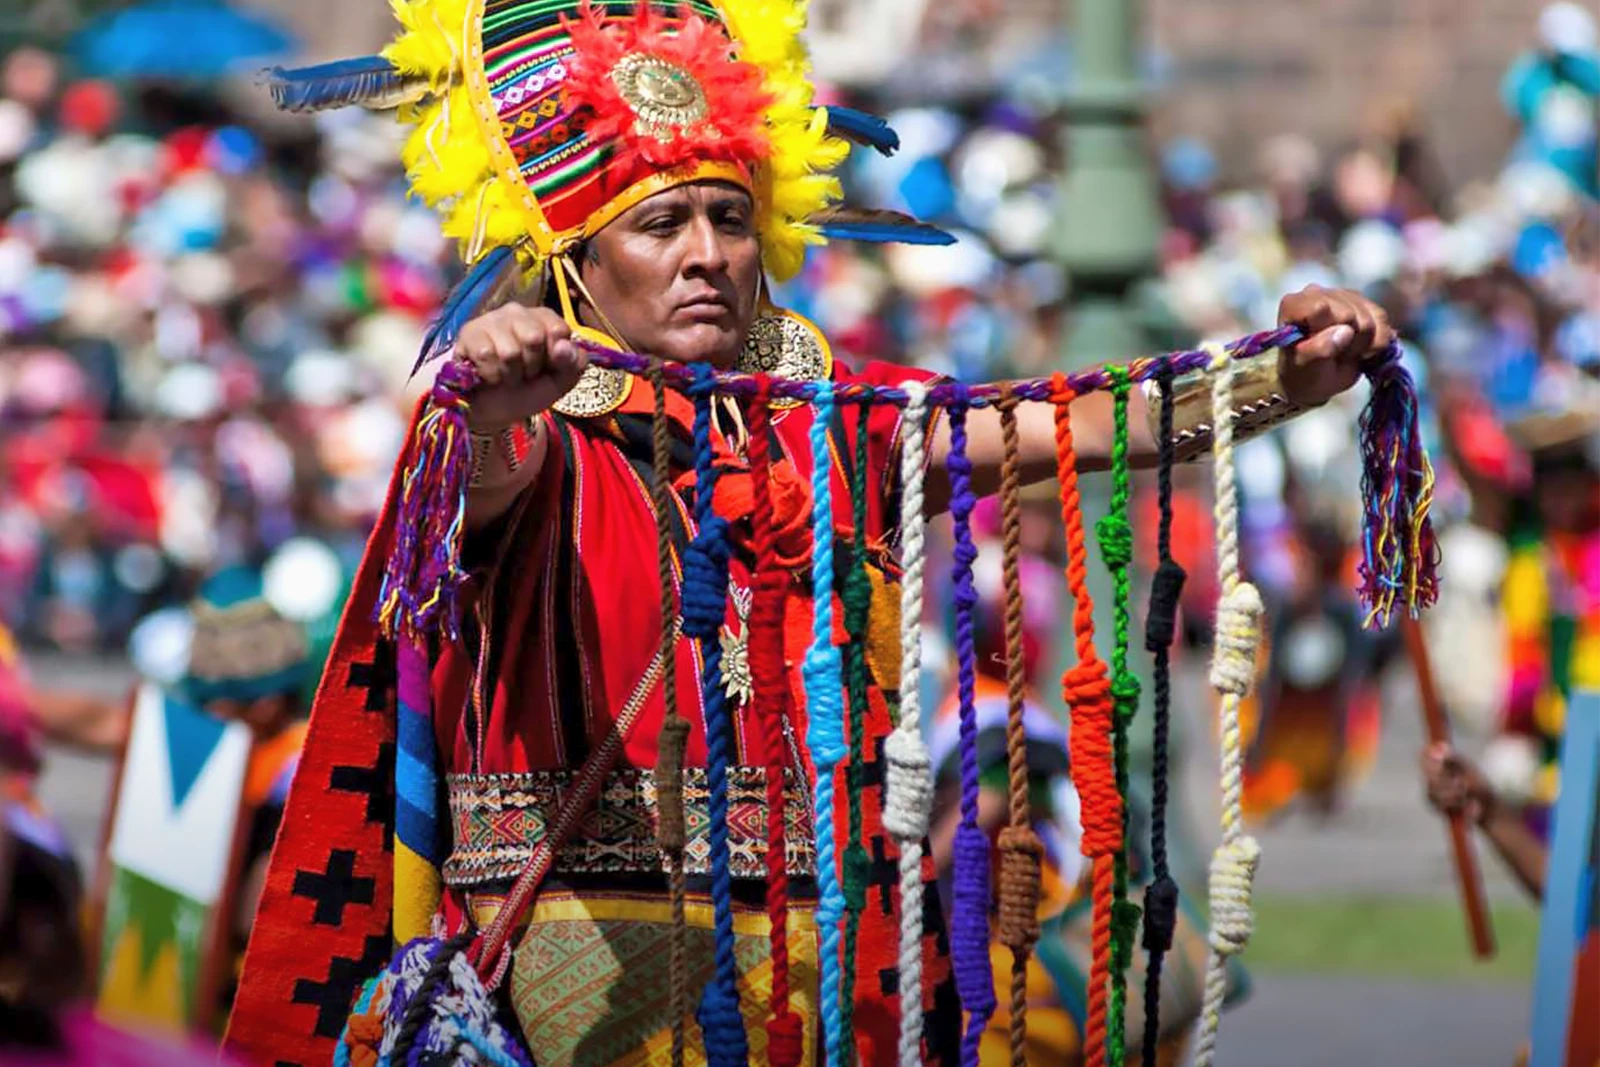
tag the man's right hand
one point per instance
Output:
(525, 359)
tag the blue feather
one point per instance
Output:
(371, 81)
(880, 227)
(862, 128)
(468, 298)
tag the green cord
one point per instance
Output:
(1115, 535)
(857, 608)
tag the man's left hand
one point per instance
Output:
(1342, 328)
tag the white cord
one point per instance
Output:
(1233, 865)
(908, 801)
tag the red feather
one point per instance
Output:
(733, 129)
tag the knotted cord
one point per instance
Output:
(1233, 865)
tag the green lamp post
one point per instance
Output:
(1110, 225)
(1107, 240)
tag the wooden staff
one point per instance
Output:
(1466, 862)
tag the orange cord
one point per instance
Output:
(1087, 691)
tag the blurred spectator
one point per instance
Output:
(205, 327)
(203, 338)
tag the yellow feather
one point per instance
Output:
(432, 42)
(793, 185)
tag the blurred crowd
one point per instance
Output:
(204, 335)
(206, 324)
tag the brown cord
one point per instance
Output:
(673, 741)
(1020, 848)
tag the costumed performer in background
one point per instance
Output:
(1317, 711)
(636, 172)
(249, 663)
(1551, 597)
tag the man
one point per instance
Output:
(648, 169)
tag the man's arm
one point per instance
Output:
(1454, 785)
(1341, 329)
(525, 361)
(1092, 431)
(505, 464)
(1518, 847)
(77, 719)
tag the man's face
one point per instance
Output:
(678, 275)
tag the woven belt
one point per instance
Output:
(498, 819)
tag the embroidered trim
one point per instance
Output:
(498, 819)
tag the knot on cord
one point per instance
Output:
(1233, 872)
(1233, 659)
(908, 801)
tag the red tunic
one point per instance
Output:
(568, 607)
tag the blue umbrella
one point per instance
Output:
(176, 39)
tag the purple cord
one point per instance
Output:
(737, 384)
(969, 935)
(423, 574)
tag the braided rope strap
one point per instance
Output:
(1021, 851)
(908, 800)
(705, 606)
(771, 699)
(1233, 865)
(1087, 691)
(825, 728)
(673, 740)
(1161, 898)
(969, 935)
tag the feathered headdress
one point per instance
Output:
(536, 122)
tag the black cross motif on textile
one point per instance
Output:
(883, 873)
(874, 770)
(941, 1027)
(334, 890)
(378, 678)
(376, 783)
(333, 998)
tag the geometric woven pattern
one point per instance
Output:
(498, 819)
(588, 987)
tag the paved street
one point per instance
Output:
(1293, 1021)
(1385, 841)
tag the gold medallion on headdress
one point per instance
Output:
(664, 96)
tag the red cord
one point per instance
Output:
(772, 699)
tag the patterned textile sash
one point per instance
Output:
(498, 819)
(590, 989)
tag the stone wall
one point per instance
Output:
(1238, 71)
(1242, 70)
